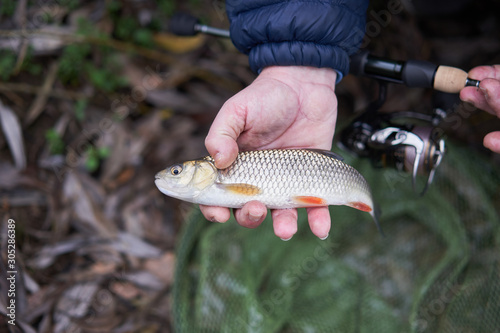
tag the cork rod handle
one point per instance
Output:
(449, 79)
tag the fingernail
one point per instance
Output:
(217, 158)
(324, 237)
(286, 239)
(484, 91)
(254, 218)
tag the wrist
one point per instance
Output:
(303, 74)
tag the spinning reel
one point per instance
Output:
(406, 141)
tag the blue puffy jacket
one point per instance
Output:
(318, 33)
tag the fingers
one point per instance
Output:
(284, 220)
(221, 139)
(492, 141)
(483, 72)
(319, 221)
(215, 214)
(486, 98)
(284, 223)
(251, 215)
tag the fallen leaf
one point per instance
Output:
(134, 246)
(163, 267)
(12, 130)
(73, 304)
(144, 279)
(46, 41)
(124, 289)
(85, 207)
(49, 253)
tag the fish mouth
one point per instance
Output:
(160, 181)
(174, 192)
(161, 184)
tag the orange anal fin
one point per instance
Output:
(361, 206)
(242, 189)
(309, 201)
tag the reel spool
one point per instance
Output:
(416, 150)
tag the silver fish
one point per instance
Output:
(279, 178)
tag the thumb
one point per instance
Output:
(224, 132)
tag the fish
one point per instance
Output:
(279, 178)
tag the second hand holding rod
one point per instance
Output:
(412, 73)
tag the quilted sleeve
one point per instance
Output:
(297, 32)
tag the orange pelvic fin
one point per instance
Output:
(242, 189)
(309, 201)
(360, 205)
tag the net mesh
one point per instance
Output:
(437, 269)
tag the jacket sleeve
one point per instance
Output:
(318, 33)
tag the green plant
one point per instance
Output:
(8, 7)
(8, 61)
(72, 63)
(105, 77)
(95, 157)
(143, 37)
(80, 107)
(70, 4)
(55, 141)
(125, 27)
(77, 62)
(167, 7)
(7, 64)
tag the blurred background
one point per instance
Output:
(97, 96)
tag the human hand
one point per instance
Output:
(285, 107)
(486, 98)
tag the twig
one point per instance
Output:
(30, 89)
(20, 19)
(72, 38)
(43, 94)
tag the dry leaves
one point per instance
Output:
(12, 131)
(96, 246)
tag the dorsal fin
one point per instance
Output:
(328, 153)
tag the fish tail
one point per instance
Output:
(375, 213)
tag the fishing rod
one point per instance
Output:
(412, 73)
(409, 147)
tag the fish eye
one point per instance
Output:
(176, 170)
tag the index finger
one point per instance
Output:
(485, 72)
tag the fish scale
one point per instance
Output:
(279, 178)
(297, 171)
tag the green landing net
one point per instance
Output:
(437, 269)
